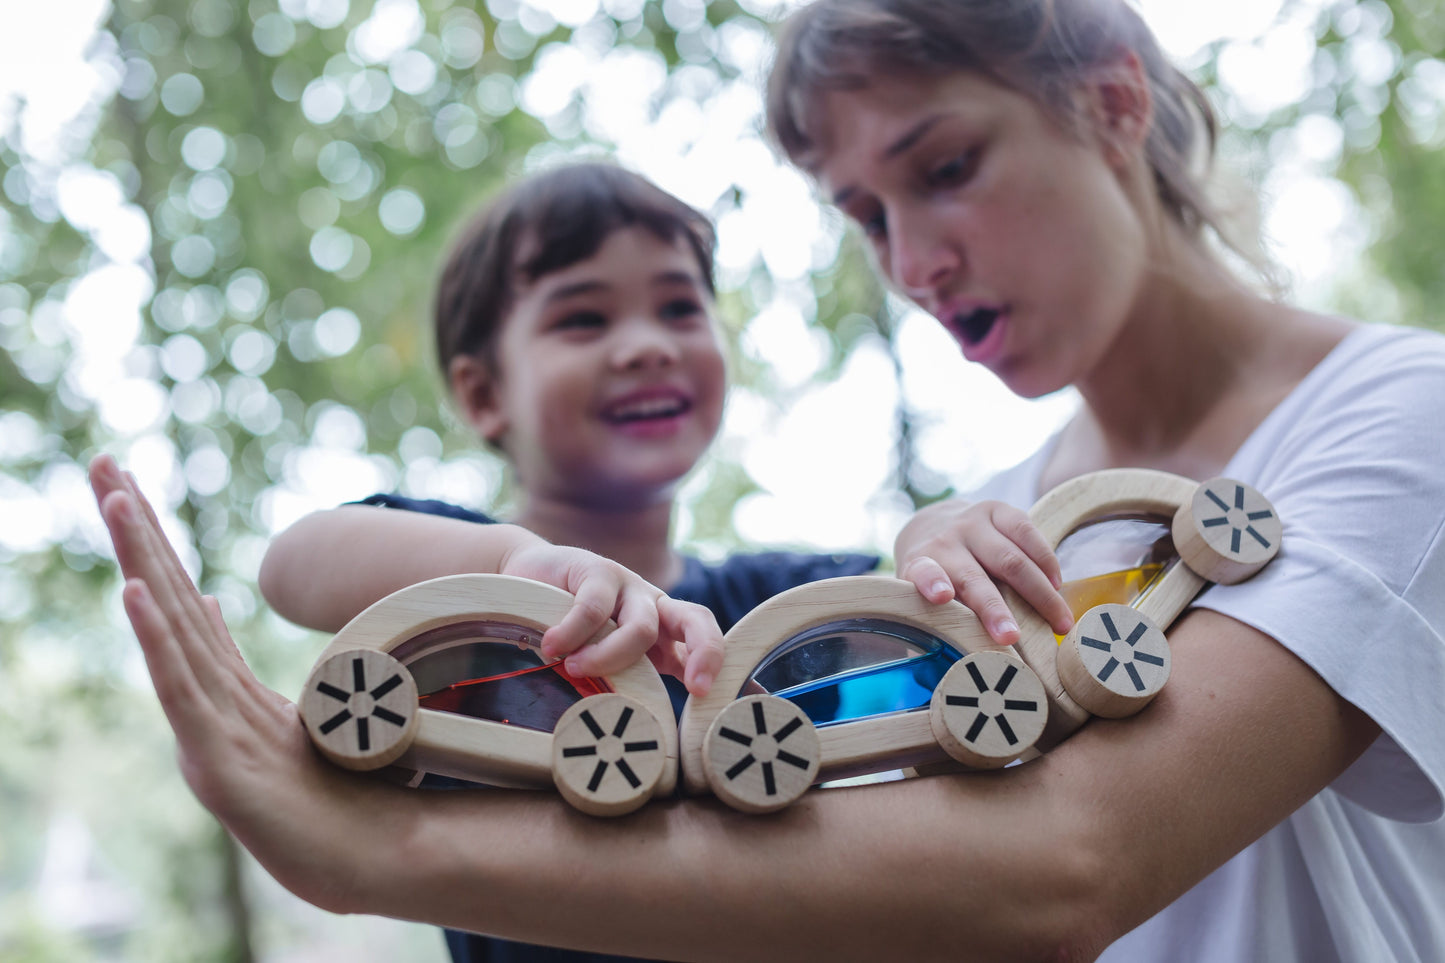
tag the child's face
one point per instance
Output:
(609, 375)
(1022, 239)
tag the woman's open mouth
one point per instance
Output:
(974, 326)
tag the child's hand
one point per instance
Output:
(681, 638)
(956, 550)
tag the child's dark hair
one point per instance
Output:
(556, 218)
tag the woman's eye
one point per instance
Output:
(581, 321)
(875, 226)
(954, 171)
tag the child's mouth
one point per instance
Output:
(646, 409)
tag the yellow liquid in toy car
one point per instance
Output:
(1122, 587)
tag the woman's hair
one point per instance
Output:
(545, 223)
(1042, 48)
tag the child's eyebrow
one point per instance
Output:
(579, 287)
(675, 277)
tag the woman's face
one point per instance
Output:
(1019, 237)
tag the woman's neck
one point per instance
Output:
(1199, 364)
(638, 538)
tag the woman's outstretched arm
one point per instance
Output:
(1050, 860)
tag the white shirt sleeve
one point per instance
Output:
(1354, 462)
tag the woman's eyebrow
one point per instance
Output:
(900, 144)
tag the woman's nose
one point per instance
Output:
(920, 260)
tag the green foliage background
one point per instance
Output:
(264, 353)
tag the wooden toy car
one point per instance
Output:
(836, 678)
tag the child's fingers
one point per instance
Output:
(595, 598)
(976, 589)
(698, 629)
(635, 634)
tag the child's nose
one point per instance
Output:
(645, 345)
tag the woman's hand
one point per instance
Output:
(681, 638)
(242, 748)
(953, 549)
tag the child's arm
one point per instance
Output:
(953, 549)
(328, 567)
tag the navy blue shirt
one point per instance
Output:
(731, 589)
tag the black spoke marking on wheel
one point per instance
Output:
(326, 688)
(1021, 705)
(363, 735)
(358, 675)
(792, 760)
(579, 751)
(735, 736)
(970, 701)
(1264, 542)
(386, 686)
(628, 774)
(1262, 513)
(1109, 626)
(1096, 644)
(977, 677)
(1134, 676)
(592, 725)
(979, 722)
(335, 721)
(1006, 678)
(770, 785)
(1108, 669)
(1214, 522)
(1138, 633)
(741, 766)
(1234, 540)
(1223, 506)
(1006, 729)
(597, 775)
(1239, 496)
(1146, 657)
(787, 730)
(386, 715)
(622, 721)
(639, 746)
(758, 719)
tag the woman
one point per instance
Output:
(1020, 168)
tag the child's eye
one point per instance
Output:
(954, 171)
(680, 309)
(581, 321)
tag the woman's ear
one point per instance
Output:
(474, 389)
(1121, 107)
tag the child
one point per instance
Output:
(574, 326)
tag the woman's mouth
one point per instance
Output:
(980, 330)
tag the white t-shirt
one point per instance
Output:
(1354, 462)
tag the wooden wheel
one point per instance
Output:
(1114, 661)
(761, 754)
(607, 754)
(360, 708)
(988, 709)
(1227, 531)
